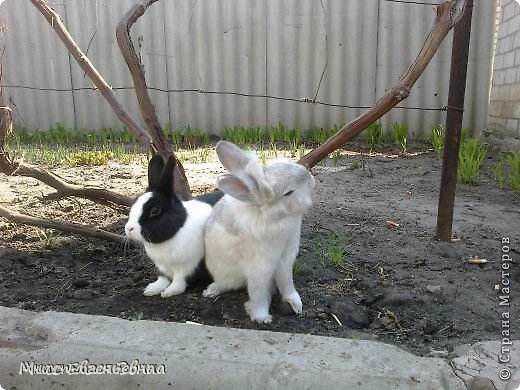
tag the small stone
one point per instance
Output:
(373, 296)
(126, 282)
(350, 314)
(20, 237)
(285, 309)
(311, 314)
(443, 353)
(480, 383)
(430, 328)
(460, 350)
(82, 294)
(322, 316)
(28, 261)
(437, 290)
(393, 300)
(80, 283)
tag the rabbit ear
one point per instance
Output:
(165, 186)
(244, 187)
(232, 157)
(155, 168)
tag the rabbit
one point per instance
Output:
(253, 233)
(171, 231)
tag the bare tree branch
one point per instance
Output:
(96, 194)
(55, 21)
(136, 68)
(448, 14)
(62, 226)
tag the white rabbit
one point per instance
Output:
(253, 233)
(171, 231)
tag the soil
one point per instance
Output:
(396, 284)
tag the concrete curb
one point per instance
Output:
(199, 357)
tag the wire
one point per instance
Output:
(412, 2)
(228, 93)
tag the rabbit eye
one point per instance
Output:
(155, 212)
(288, 193)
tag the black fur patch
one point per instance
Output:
(210, 198)
(164, 226)
(200, 276)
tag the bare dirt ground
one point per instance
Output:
(397, 284)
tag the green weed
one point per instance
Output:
(498, 173)
(279, 132)
(356, 165)
(48, 237)
(514, 178)
(471, 156)
(137, 316)
(374, 133)
(297, 265)
(301, 151)
(437, 138)
(336, 249)
(319, 135)
(91, 157)
(244, 135)
(399, 133)
(336, 157)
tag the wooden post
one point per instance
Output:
(457, 89)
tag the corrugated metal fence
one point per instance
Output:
(342, 52)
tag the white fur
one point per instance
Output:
(255, 243)
(177, 257)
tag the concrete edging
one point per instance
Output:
(202, 357)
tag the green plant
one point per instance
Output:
(48, 237)
(263, 156)
(297, 265)
(336, 157)
(319, 135)
(301, 151)
(274, 150)
(498, 173)
(374, 133)
(471, 156)
(514, 178)
(437, 138)
(138, 316)
(336, 249)
(356, 165)
(91, 157)
(244, 135)
(279, 132)
(399, 133)
(295, 135)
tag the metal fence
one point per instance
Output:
(215, 64)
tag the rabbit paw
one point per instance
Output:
(295, 301)
(156, 287)
(211, 291)
(174, 289)
(260, 316)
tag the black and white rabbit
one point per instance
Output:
(171, 231)
(253, 234)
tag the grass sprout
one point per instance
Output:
(471, 156)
